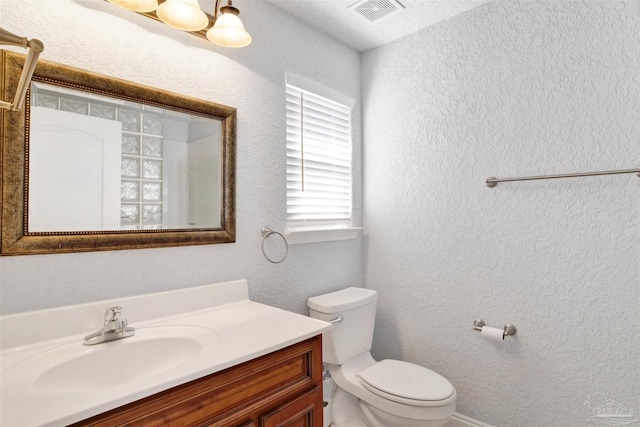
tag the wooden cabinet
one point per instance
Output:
(281, 388)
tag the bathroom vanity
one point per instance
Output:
(205, 356)
(277, 389)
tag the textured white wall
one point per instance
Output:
(511, 88)
(100, 37)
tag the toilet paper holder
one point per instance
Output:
(509, 330)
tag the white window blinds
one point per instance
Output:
(319, 153)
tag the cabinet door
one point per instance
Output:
(304, 411)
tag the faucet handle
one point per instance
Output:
(112, 314)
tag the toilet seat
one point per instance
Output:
(406, 383)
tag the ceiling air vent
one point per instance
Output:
(375, 10)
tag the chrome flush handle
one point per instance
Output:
(338, 319)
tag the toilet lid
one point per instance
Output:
(405, 380)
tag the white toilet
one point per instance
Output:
(390, 393)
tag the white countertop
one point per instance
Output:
(236, 330)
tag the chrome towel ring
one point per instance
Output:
(266, 232)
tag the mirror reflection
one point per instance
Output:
(95, 163)
(100, 163)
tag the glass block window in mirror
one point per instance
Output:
(46, 101)
(130, 167)
(151, 124)
(74, 106)
(130, 120)
(152, 191)
(102, 111)
(142, 167)
(151, 216)
(130, 214)
(130, 143)
(152, 146)
(130, 191)
(152, 169)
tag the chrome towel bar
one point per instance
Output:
(493, 181)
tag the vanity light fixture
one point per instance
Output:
(224, 28)
(34, 48)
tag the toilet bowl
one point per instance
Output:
(389, 393)
(388, 398)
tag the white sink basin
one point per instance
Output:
(74, 367)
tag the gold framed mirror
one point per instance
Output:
(166, 163)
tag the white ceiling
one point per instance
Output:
(334, 17)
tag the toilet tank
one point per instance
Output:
(352, 336)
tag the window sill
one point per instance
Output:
(297, 236)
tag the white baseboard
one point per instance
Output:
(459, 420)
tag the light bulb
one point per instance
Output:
(136, 5)
(228, 30)
(183, 14)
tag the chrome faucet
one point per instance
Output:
(114, 328)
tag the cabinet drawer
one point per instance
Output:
(235, 393)
(304, 411)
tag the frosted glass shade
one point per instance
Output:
(136, 5)
(183, 14)
(228, 31)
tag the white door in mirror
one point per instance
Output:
(74, 174)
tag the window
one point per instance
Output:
(142, 196)
(319, 156)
